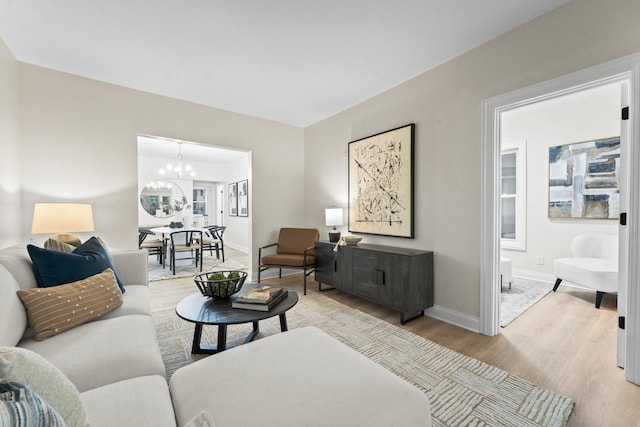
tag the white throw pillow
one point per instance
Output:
(29, 368)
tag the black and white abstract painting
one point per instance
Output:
(381, 183)
(583, 179)
(233, 199)
(243, 198)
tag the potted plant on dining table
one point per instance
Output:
(180, 207)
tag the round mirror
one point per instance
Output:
(158, 198)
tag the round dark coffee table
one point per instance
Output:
(202, 310)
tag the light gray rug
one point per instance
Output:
(187, 267)
(521, 297)
(462, 391)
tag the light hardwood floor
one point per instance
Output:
(563, 343)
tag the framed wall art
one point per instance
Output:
(381, 183)
(233, 199)
(243, 198)
(583, 179)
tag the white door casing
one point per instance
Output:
(623, 249)
(623, 70)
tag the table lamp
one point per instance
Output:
(332, 217)
(62, 218)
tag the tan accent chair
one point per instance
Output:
(294, 250)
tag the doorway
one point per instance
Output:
(204, 188)
(626, 71)
(537, 222)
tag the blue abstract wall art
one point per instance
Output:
(583, 179)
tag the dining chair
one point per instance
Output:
(187, 241)
(213, 240)
(154, 247)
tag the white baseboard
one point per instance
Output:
(534, 275)
(236, 247)
(455, 318)
(272, 273)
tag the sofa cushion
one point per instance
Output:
(56, 309)
(12, 315)
(53, 268)
(203, 419)
(289, 260)
(131, 267)
(28, 368)
(140, 402)
(103, 351)
(598, 274)
(20, 406)
(296, 240)
(135, 301)
(320, 382)
(16, 260)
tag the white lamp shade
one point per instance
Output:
(62, 218)
(334, 216)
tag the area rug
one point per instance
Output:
(462, 391)
(520, 298)
(187, 267)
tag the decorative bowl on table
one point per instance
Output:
(352, 240)
(220, 285)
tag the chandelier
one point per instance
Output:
(179, 170)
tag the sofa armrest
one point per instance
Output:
(131, 266)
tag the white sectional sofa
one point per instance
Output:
(302, 377)
(115, 363)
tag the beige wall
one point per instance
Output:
(79, 143)
(11, 220)
(78, 140)
(445, 104)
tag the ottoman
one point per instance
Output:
(302, 377)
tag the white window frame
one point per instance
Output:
(519, 243)
(205, 201)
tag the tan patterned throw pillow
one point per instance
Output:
(56, 309)
(55, 245)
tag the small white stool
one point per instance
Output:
(506, 276)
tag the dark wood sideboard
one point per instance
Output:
(397, 278)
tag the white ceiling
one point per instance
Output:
(292, 61)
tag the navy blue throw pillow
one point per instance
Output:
(54, 268)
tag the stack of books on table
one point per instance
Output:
(262, 298)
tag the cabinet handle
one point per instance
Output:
(380, 277)
(335, 266)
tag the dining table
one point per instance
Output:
(166, 231)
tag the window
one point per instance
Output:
(513, 188)
(200, 201)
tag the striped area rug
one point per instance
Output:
(462, 391)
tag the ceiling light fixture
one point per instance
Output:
(178, 171)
